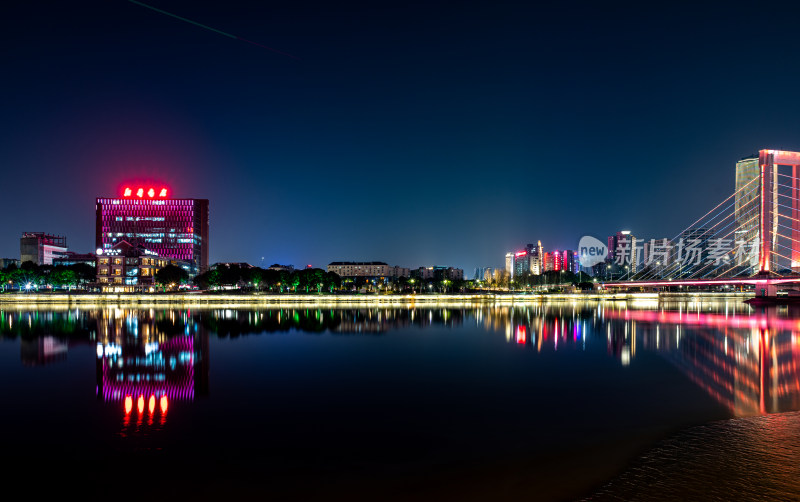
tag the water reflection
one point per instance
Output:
(746, 359)
(148, 359)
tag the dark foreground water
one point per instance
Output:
(557, 402)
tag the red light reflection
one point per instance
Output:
(699, 318)
(522, 334)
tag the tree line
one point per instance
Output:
(30, 276)
(305, 280)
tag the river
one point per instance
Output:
(555, 401)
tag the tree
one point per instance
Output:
(63, 277)
(171, 275)
(208, 279)
(332, 280)
(254, 276)
(86, 273)
(232, 275)
(271, 278)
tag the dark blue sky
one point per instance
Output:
(412, 133)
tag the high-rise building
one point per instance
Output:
(40, 248)
(522, 264)
(569, 261)
(525, 262)
(624, 254)
(510, 265)
(553, 261)
(690, 252)
(747, 208)
(535, 256)
(172, 228)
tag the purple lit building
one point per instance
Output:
(172, 228)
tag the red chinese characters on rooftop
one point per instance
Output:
(143, 192)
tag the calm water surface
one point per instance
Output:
(604, 401)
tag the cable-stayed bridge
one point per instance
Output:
(750, 238)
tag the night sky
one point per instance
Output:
(413, 133)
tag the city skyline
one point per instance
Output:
(408, 135)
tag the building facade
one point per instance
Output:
(7, 262)
(510, 264)
(438, 273)
(366, 269)
(747, 207)
(41, 248)
(70, 258)
(172, 228)
(128, 268)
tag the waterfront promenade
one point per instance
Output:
(255, 299)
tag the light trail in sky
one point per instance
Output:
(235, 37)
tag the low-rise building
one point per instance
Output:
(366, 269)
(6, 262)
(70, 258)
(281, 268)
(438, 273)
(40, 248)
(239, 264)
(125, 268)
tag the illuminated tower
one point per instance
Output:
(779, 218)
(173, 228)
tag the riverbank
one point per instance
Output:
(257, 299)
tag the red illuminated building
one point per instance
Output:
(144, 215)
